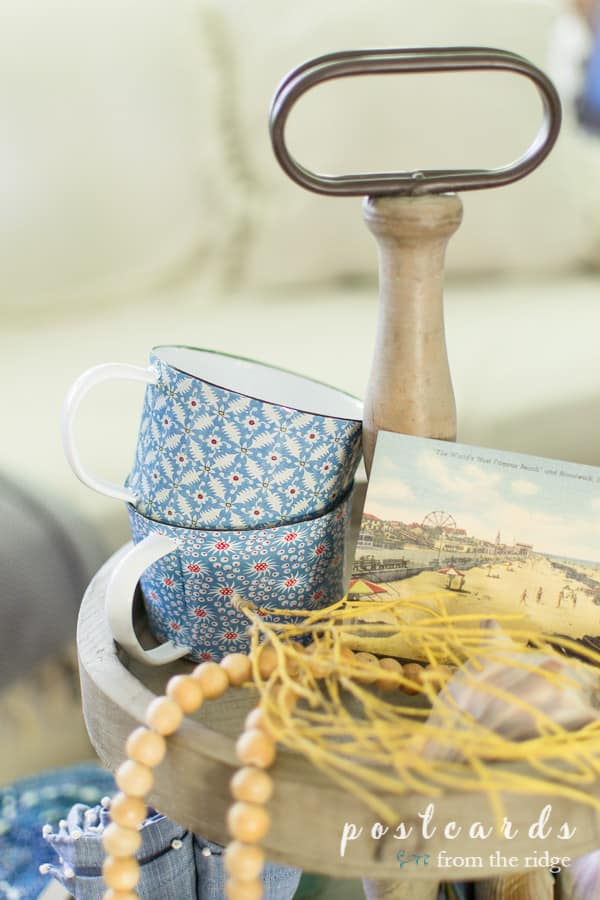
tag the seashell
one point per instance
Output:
(570, 698)
(572, 702)
(536, 885)
(581, 881)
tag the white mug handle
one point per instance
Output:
(119, 600)
(77, 391)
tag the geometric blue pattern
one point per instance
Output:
(188, 592)
(213, 458)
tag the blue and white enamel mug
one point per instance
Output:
(226, 442)
(190, 575)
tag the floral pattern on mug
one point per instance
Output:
(210, 457)
(188, 593)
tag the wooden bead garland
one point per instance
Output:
(146, 746)
(251, 787)
(186, 691)
(389, 665)
(129, 812)
(164, 715)
(256, 748)
(134, 778)
(119, 841)
(251, 784)
(120, 895)
(243, 860)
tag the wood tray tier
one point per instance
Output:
(308, 810)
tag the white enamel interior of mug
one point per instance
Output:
(262, 382)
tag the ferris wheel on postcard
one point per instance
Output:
(438, 519)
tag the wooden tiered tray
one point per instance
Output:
(409, 391)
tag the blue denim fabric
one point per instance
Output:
(281, 882)
(173, 865)
(170, 874)
(166, 856)
(77, 839)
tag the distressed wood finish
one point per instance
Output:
(410, 389)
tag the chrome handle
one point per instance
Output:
(432, 59)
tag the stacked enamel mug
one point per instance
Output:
(240, 486)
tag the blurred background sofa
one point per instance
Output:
(141, 204)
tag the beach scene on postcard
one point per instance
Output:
(485, 531)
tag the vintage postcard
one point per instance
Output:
(495, 532)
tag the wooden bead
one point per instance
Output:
(119, 841)
(256, 718)
(248, 822)
(244, 890)
(346, 654)
(238, 668)
(129, 812)
(212, 679)
(164, 715)
(146, 746)
(412, 671)
(120, 895)
(318, 664)
(252, 785)
(367, 659)
(256, 748)
(267, 661)
(436, 676)
(243, 861)
(186, 692)
(121, 874)
(286, 697)
(389, 665)
(133, 778)
(292, 666)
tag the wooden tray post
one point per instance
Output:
(410, 389)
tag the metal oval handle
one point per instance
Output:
(430, 59)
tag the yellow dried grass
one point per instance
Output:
(374, 749)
